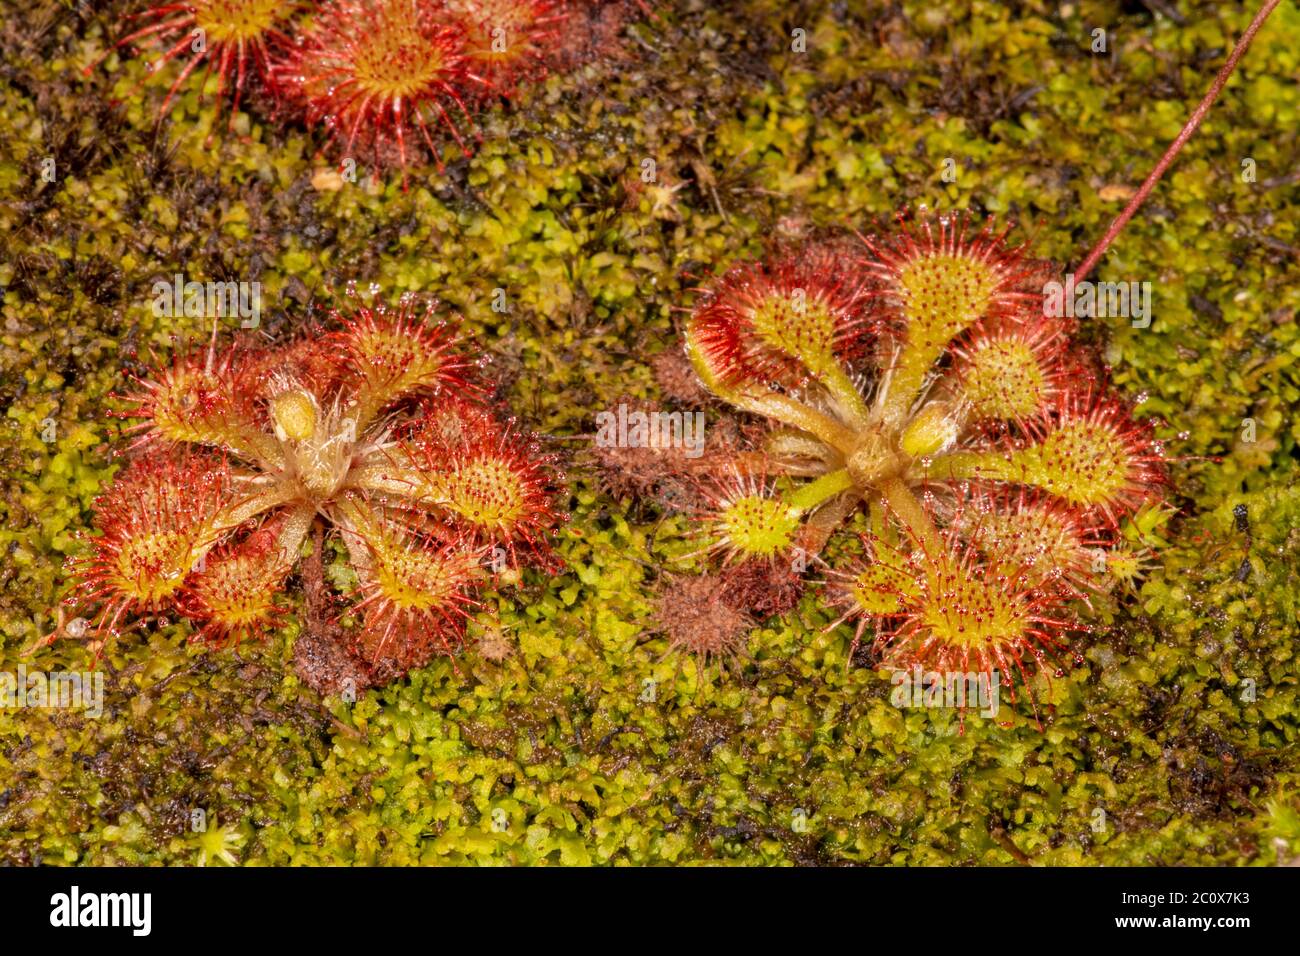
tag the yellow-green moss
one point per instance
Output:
(583, 745)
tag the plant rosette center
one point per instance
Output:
(319, 450)
(883, 451)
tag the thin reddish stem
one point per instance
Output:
(1194, 121)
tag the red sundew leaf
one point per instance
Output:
(233, 594)
(394, 354)
(416, 589)
(779, 321)
(492, 479)
(509, 42)
(155, 522)
(1072, 434)
(956, 612)
(982, 279)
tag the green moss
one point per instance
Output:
(1173, 741)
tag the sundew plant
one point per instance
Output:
(386, 80)
(377, 431)
(923, 383)
(929, 377)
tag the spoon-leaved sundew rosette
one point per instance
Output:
(375, 433)
(919, 382)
